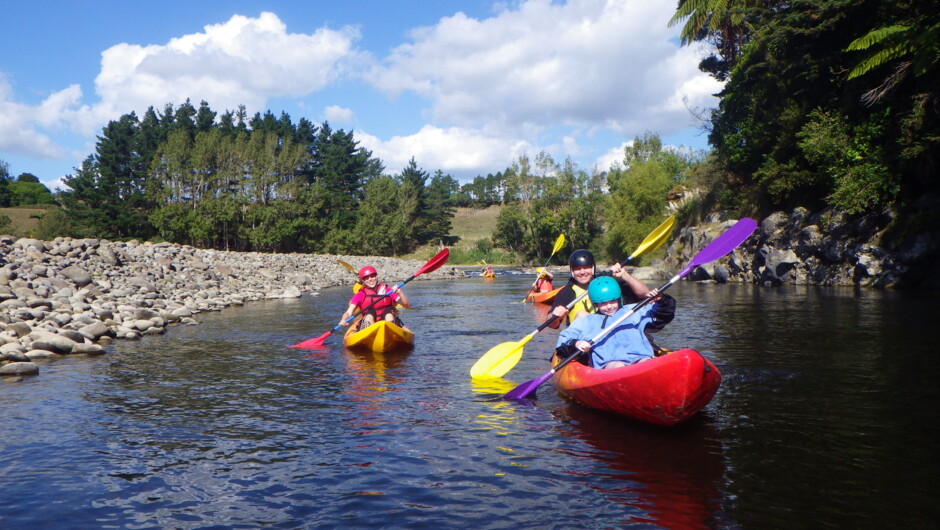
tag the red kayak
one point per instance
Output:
(665, 390)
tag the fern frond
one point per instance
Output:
(686, 8)
(875, 36)
(878, 59)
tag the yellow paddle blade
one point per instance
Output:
(499, 360)
(560, 242)
(346, 265)
(656, 238)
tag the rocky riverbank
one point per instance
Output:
(817, 248)
(75, 296)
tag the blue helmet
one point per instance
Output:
(603, 289)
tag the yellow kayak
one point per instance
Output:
(383, 336)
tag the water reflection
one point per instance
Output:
(823, 420)
(672, 478)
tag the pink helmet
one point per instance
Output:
(366, 271)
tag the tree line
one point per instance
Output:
(188, 175)
(22, 190)
(264, 183)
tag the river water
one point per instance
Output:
(826, 418)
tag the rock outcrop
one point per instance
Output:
(823, 248)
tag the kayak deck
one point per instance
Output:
(543, 298)
(664, 390)
(382, 336)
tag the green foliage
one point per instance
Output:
(250, 184)
(27, 177)
(476, 256)
(545, 199)
(852, 157)
(4, 222)
(27, 192)
(484, 246)
(799, 105)
(6, 197)
(55, 222)
(917, 41)
(637, 201)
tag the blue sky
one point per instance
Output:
(465, 87)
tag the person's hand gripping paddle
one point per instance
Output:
(721, 246)
(432, 265)
(503, 357)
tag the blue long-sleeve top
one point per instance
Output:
(627, 342)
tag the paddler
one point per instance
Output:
(543, 283)
(583, 270)
(628, 343)
(373, 291)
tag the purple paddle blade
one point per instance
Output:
(526, 389)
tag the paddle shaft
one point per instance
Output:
(432, 265)
(721, 246)
(558, 243)
(439, 259)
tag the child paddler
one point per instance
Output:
(629, 342)
(373, 291)
(583, 270)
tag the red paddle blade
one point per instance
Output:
(316, 342)
(434, 263)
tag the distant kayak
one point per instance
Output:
(383, 336)
(543, 298)
(664, 390)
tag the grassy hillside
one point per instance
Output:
(23, 220)
(472, 224)
(474, 227)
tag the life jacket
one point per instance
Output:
(384, 304)
(543, 285)
(583, 305)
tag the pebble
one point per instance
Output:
(75, 296)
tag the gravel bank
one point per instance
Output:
(75, 296)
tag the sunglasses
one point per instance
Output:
(369, 276)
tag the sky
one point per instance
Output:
(465, 87)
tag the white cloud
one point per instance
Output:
(584, 63)
(461, 152)
(337, 114)
(614, 156)
(19, 131)
(242, 61)
(536, 75)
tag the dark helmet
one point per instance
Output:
(581, 258)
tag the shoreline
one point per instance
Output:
(76, 296)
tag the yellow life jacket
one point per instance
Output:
(584, 304)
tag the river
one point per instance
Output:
(826, 418)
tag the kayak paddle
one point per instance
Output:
(432, 265)
(503, 357)
(347, 267)
(721, 246)
(560, 242)
(357, 285)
